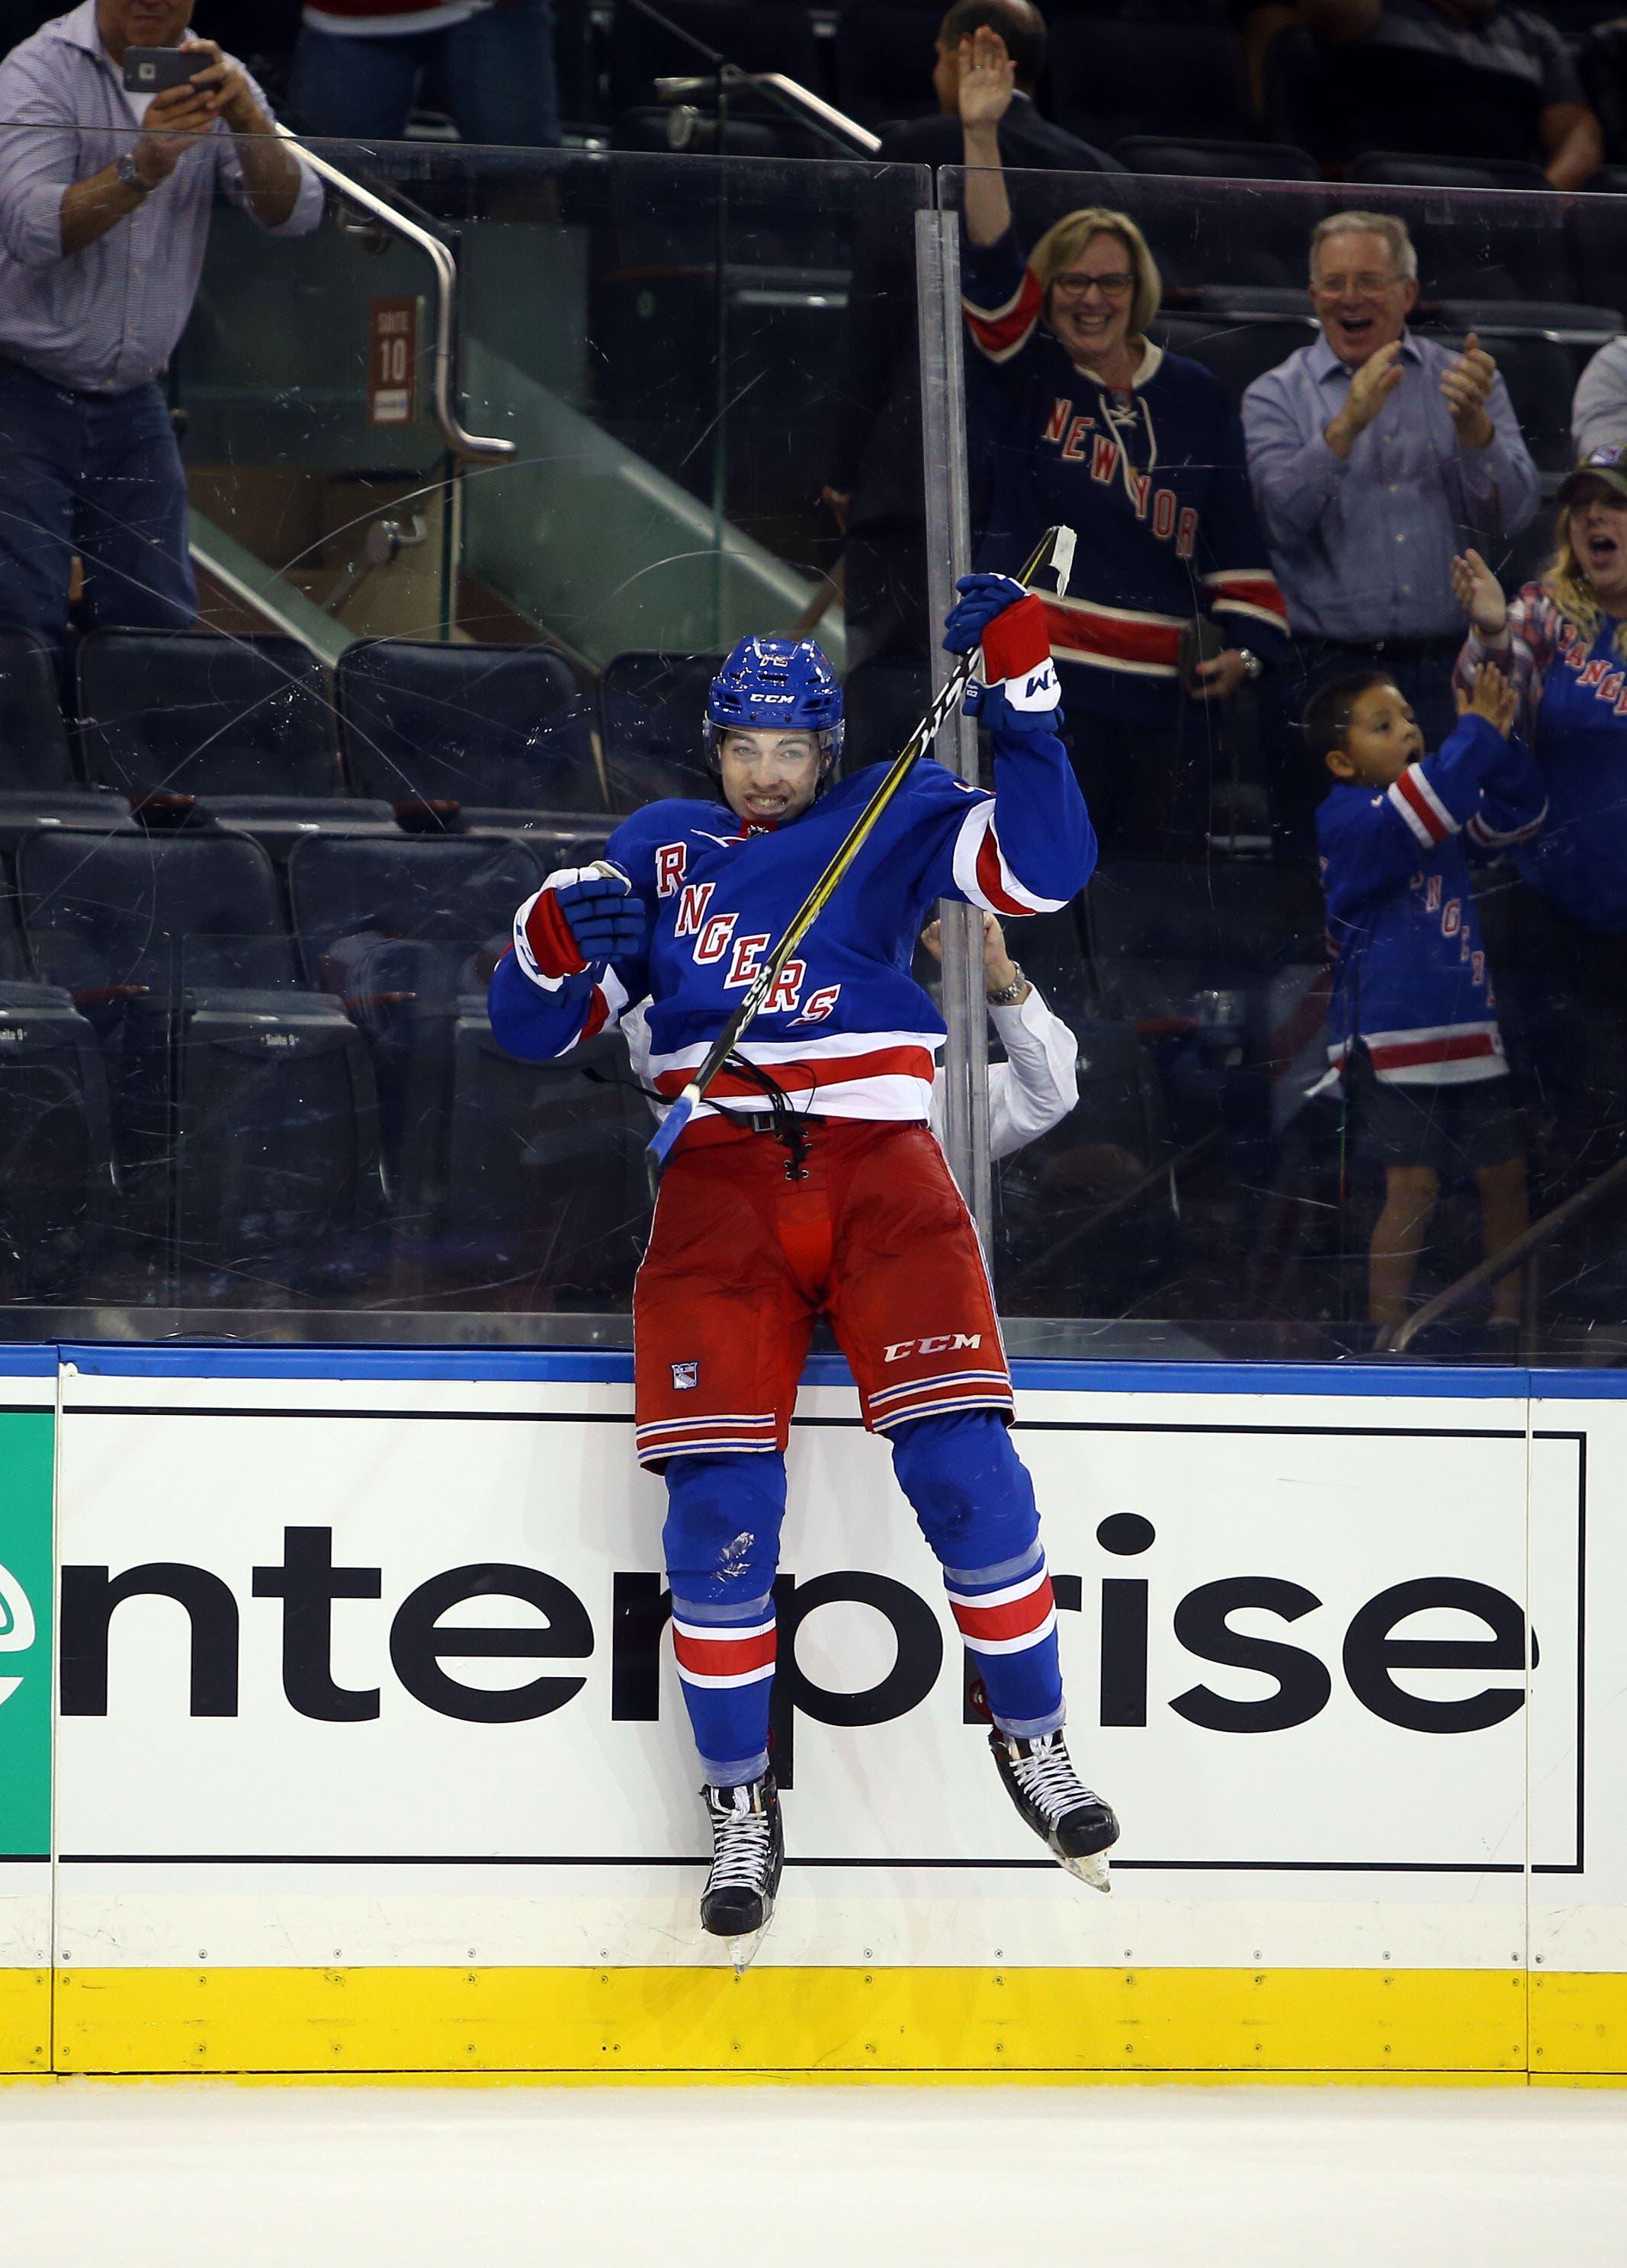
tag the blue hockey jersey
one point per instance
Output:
(1153, 479)
(846, 1032)
(1412, 979)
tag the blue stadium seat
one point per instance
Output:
(1408, 169)
(221, 719)
(1237, 352)
(494, 728)
(1231, 161)
(406, 932)
(35, 752)
(242, 1105)
(548, 1202)
(1112, 79)
(651, 708)
(56, 1173)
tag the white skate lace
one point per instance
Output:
(740, 1847)
(1047, 1776)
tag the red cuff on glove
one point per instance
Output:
(548, 934)
(1016, 641)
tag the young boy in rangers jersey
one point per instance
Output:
(1411, 986)
(809, 1183)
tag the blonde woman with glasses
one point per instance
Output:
(1077, 417)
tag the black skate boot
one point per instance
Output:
(1039, 1778)
(748, 1850)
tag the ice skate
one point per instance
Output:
(1039, 1776)
(748, 1851)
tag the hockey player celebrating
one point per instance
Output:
(809, 1183)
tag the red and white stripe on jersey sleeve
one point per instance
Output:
(720, 1655)
(1492, 838)
(1114, 637)
(1251, 592)
(706, 1437)
(1417, 801)
(936, 1397)
(1002, 332)
(1009, 1620)
(982, 874)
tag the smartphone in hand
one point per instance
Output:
(154, 71)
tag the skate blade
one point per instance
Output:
(1093, 1870)
(743, 1951)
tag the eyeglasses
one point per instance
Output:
(1364, 286)
(1118, 284)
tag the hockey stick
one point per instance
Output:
(1054, 549)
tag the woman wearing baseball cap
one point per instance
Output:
(1563, 642)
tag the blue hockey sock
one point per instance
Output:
(975, 1501)
(721, 1542)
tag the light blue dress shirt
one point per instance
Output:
(105, 318)
(1362, 545)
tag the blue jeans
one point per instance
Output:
(497, 70)
(100, 475)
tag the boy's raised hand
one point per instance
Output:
(1492, 697)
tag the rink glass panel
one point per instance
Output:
(320, 1138)
(1202, 1198)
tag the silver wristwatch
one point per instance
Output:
(1009, 995)
(1253, 667)
(129, 174)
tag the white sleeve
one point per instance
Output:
(1038, 1084)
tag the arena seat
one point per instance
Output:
(56, 1173)
(1403, 169)
(405, 932)
(242, 1105)
(495, 728)
(1113, 79)
(1236, 352)
(34, 751)
(651, 708)
(1231, 161)
(223, 718)
(547, 1201)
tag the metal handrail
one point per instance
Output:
(1512, 1256)
(457, 434)
(790, 94)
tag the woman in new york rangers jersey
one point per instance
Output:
(1077, 417)
(1562, 639)
(809, 1183)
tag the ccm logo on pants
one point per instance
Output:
(942, 1345)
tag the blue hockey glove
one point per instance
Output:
(982, 597)
(584, 914)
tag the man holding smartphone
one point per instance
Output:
(118, 135)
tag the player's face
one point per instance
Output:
(1089, 302)
(1381, 739)
(1361, 301)
(769, 776)
(1598, 526)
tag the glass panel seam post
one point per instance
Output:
(946, 488)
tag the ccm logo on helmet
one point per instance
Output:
(948, 1342)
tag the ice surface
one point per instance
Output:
(178, 2176)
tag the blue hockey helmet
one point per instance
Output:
(776, 685)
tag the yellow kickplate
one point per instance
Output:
(1579, 2023)
(25, 2019)
(789, 2021)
